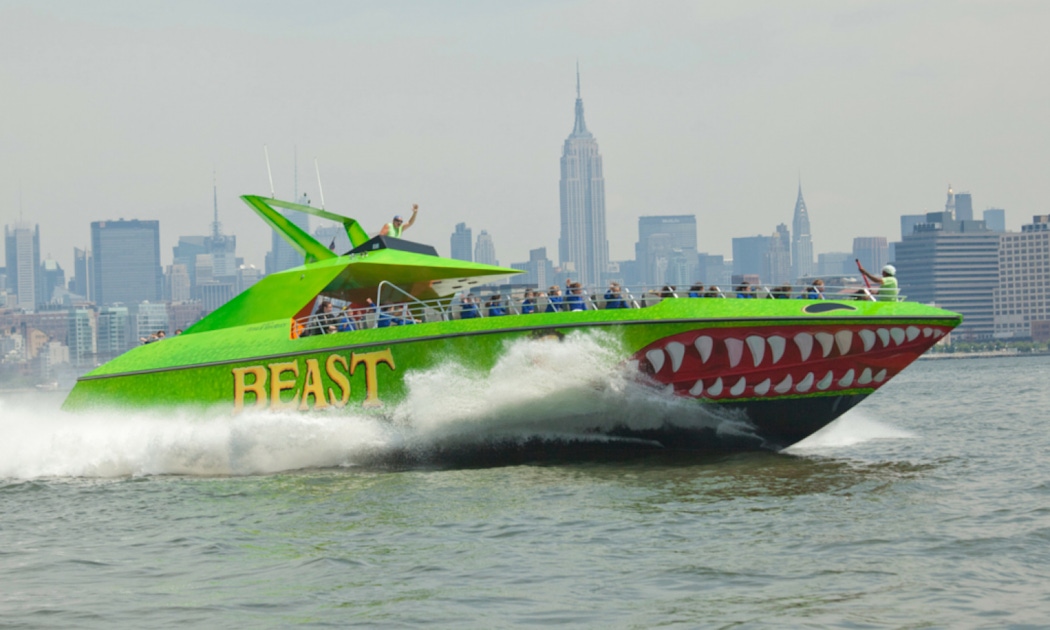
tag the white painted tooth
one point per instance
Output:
(758, 348)
(880, 376)
(776, 345)
(847, 378)
(669, 390)
(868, 337)
(716, 387)
(677, 351)
(735, 347)
(825, 382)
(884, 335)
(697, 389)
(762, 388)
(656, 358)
(804, 341)
(844, 340)
(938, 333)
(825, 340)
(704, 345)
(784, 385)
(898, 335)
(927, 332)
(805, 384)
(912, 333)
(865, 377)
(738, 389)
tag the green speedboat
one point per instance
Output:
(785, 367)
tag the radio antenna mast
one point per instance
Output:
(269, 173)
(319, 189)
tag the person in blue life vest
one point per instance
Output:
(398, 225)
(468, 308)
(888, 289)
(495, 306)
(744, 290)
(528, 305)
(575, 300)
(554, 300)
(815, 291)
(697, 290)
(383, 317)
(614, 297)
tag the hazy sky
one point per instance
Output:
(123, 109)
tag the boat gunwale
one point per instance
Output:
(853, 320)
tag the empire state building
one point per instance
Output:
(582, 246)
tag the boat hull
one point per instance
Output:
(779, 369)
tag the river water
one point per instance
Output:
(927, 506)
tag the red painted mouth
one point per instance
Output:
(776, 361)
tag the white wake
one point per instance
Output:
(575, 389)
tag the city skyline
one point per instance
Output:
(710, 109)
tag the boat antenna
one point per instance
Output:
(269, 173)
(319, 189)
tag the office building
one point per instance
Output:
(150, 318)
(995, 219)
(749, 255)
(22, 249)
(82, 280)
(963, 206)
(462, 242)
(583, 248)
(802, 245)
(871, 251)
(666, 249)
(51, 277)
(179, 287)
(953, 265)
(1021, 304)
(485, 250)
(113, 331)
(776, 262)
(909, 221)
(830, 264)
(81, 337)
(126, 258)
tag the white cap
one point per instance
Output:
(889, 270)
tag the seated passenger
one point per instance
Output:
(495, 307)
(744, 290)
(554, 300)
(575, 300)
(528, 305)
(468, 308)
(815, 291)
(697, 290)
(614, 297)
(713, 292)
(323, 322)
(781, 293)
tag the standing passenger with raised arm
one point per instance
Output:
(889, 290)
(398, 225)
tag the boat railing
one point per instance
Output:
(406, 309)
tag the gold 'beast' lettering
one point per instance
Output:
(266, 386)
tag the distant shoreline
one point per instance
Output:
(984, 354)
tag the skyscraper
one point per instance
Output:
(22, 248)
(776, 262)
(802, 245)
(1020, 299)
(82, 276)
(126, 261)
(995, 219)
(659, 237)
(749, 255)
(582, 247)
(462, 243)
(485, 250)
(963, 207)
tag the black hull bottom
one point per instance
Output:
(775, 424)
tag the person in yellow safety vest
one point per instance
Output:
(398, 225)
(888, 290)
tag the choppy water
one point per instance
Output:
(928, 506)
